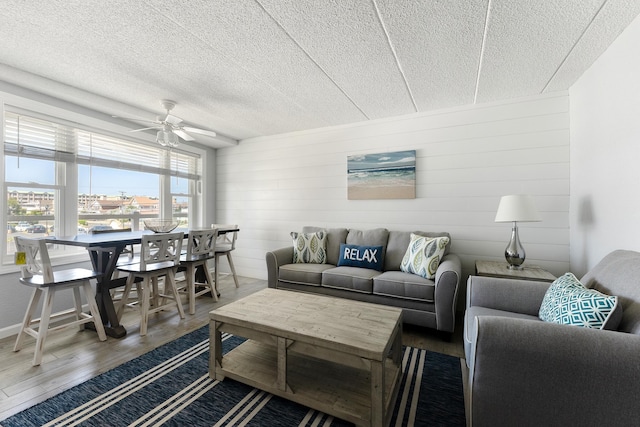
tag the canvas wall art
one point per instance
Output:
(382, 176)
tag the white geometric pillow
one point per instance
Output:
(569, 302)
(309, 248)
(424, 255)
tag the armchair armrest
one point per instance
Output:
(536, 373)
(447, 282)
(518, 296)
(275, 259)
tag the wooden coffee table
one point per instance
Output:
(334, 355)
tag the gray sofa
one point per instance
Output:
(526, 372)
(430, 303)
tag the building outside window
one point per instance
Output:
(60, 179)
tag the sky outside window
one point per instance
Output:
(114, 182)
(27, 170)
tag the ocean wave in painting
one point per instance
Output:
(392, 176)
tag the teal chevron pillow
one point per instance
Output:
(309, 248)
(569, 302)
(424, 255)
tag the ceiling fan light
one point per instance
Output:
(160, 138)
(172, 139)
(167, 139)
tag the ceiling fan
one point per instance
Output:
(170, 128)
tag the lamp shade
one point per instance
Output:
(517, 207)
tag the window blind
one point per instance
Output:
(32, 137)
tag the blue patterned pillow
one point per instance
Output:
(569, 302)
(424, 255)
(309, 248)
(361, 256)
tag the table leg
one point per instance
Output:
(283, 345)
(377, 393)
(215, 351)
(104, 260)
(396, 348)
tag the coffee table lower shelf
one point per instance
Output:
(333, 388)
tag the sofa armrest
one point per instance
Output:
(536, 373)
(518, 296)
(275, 259)
(447, 283)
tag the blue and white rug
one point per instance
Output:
(171, 386)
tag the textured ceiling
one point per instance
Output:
(250, 68)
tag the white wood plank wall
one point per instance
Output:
(467, 158)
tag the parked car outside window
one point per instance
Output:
(22, 226)
(38, 228)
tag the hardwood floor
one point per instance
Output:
(72, 357)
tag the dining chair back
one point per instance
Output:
(159, 258)
(225, 244)
(201, 247)
(160, 249)
(38, 273)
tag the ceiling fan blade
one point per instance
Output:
(172, 119)
(152, 127)
(135, 119)
(200, 131)
(182, 134)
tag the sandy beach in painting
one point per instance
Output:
(397, 192)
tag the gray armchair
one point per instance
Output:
(523, 371)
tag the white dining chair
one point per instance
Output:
(201, 247)
(37, 272)
(225, 244)
(159, 258)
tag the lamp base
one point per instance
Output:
(514, 253)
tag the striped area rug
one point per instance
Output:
(170, 386)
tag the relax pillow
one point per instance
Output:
(361, 256)
(309, 248)
(569, 302)
(424, 255)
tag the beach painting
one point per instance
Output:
(382, 176)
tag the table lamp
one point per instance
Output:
(516, 208)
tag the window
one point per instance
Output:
(61, 179)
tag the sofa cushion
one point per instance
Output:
(351, 278)
(309, 247)
(569, 302)
(310, 274)
(361, 256)
(396, 248)
(373, 237)
(404, 285)
(423, 255)
(335, 237)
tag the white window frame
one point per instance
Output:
(66, 186)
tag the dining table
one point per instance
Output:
(104, 250)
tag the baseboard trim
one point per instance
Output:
(9, 331)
